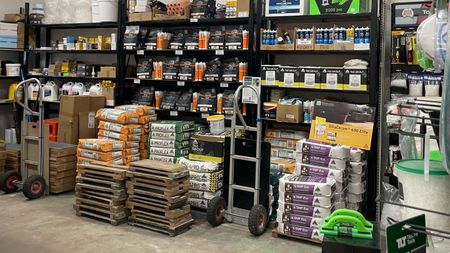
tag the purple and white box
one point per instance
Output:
(319, 149)
(321, 161)
(312, 170)
(312, 211)
(307, 200)
(298, 231)
(313, 185)
(299, 220)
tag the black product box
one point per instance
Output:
(270, 74)
(355, 79)
(332, 79)
(207, 147)
(289, 76)
(81, 70)
(310, 77)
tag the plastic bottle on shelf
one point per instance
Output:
(67, 88)
(33, 91)
(50, 92)
(96, 89)
(78, 89)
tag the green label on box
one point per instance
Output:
(401, 240)
(318, 7)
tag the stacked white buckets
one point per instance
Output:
(104, 10)
(433, 194)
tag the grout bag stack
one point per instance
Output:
(169, 140)
(146, 116)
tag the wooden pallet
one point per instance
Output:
(158, 199)
(276, 234)
(105, 191)
(161, 190)
(100, 199)
(153, 219)
(100, 215)
(119, 185)
(62, 174)
(102, 172)
(157, 180)
(159, 169)
(151, 209)
(107, 206)
(97, 194)
(171, 231)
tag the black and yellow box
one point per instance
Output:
(205, 147)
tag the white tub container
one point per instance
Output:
(108, 10)
(12, 69)
(216, 124)
(432, 195)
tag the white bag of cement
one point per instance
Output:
(357, 188)
(340, 204)
(355, 198)
(307, 200)
(298, 231)
(312, 211)
(320, 149)
(317, 186)
(200, 166)
(358, 167)
(322, 161)
(299, 220)
(357, 155)
(356, 178)
(312, 170)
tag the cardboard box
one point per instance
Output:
(305, 44)
(355, 79)
(289, 113)
(87, 125)
(13, 17)
(70, 107)
(109, 93)
(143, 16)
(289, 76)
(269, 75)
(280, 32)
(207, 148)
(319, 7)
(310, 77)
(243, 8)
(61, 149)
(332, 78)
(276, 8)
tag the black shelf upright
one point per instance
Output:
(370, 96)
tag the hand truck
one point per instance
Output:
(33, 186)
(217, 211)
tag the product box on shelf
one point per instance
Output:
(322, 7)
(141, 16)
(355, 79)
(162, 15)
(87, 125)
(289, 113)
(207, 147)
(310, 77)
(305, 39)
(286, 134)
(289, 76)
(281, 32)
(332, 78)
(277, 8)
(270, 74)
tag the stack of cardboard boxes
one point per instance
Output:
(63, 167)
(158, 193)
(146, 116)
(101, 193)
(13, 157)
(169, 140)
(205, 165)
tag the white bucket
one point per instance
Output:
(95, 11)
(12, 69)
(108, 10)
(216, 124)
(431, 195)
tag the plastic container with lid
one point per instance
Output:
(432, 194)
(12, 69)
(216, 124)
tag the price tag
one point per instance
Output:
(205, 115)
(137, 81)
(140, 52)
(181, 83)
(220, 52)
(173, 113)
(224, 85)
(194, 20)
(178, 52)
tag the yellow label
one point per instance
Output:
(358, 135)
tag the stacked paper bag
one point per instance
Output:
(169, 140)
(101, 150)
(146, 115)
(205, 181)
(357, 185)
(121, 126)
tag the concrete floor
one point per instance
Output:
(50, 225)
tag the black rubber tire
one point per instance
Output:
(215, 212)
(34, 187)
(6, 180)
(257, 220)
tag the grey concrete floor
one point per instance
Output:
(50, 225)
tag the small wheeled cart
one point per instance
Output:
(245, 163)
(33, 186)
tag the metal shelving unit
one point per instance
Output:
(372, 56)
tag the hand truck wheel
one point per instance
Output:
(7, 181)
(216, 211)
(34, 187)
(257, 220)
